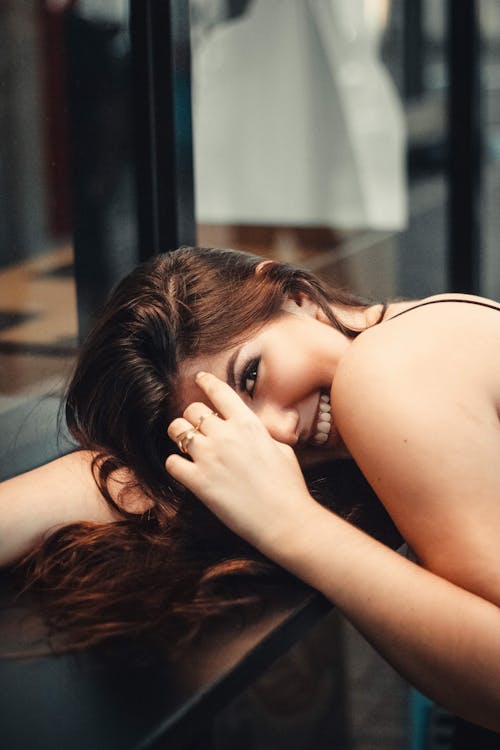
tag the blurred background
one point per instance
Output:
(311, 131)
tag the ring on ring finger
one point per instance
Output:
(203, 417)
(184, 439)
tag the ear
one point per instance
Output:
(301, 304)
(261, 265)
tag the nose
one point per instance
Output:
(282, 424)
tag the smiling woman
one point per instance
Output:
(213, 376)
(134, 374)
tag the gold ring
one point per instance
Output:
(203, 417)
(184, 438)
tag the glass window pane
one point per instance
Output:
(306, 116)
(490, 68)
(38, 322)
(64, 79)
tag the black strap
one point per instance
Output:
(437, 301)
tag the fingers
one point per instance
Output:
(226, 402)
(181, 469)
(200, 416)
(199, 421)
(182, 432)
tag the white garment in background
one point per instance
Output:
(296, 121)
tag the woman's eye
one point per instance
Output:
(249, 377)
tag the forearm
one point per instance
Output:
(445, 640)
(53, 495)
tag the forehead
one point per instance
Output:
(214, 363)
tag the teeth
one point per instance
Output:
(324, 424)
(320, 438)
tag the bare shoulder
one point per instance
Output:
(416, 401)
(457, 342)
(431, 359)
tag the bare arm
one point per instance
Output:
(53, 495)
(443, 639)
(416, 402)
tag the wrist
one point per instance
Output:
(296, 533)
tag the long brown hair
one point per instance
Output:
(168, 570)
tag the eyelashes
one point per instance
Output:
(248, 377)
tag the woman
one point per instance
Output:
(225, 369)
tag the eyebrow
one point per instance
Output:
(230, 374)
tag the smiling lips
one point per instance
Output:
(324, 421)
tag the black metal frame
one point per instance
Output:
(413, 44)
(161, 81)
(465, 149)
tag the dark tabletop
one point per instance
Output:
(129, 694)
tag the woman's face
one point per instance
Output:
(284, 374)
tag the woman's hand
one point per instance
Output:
(250, 481)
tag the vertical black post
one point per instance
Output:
(161, 71)
(413, 48)
(99, 113)
(464, 157)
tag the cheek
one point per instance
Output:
(301, 371)
(291, 363)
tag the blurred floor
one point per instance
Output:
(37, 349)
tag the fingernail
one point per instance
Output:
(200, 374)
